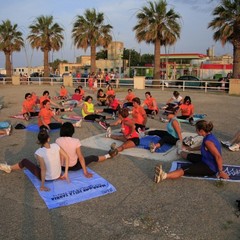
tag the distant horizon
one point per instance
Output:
(195, 35)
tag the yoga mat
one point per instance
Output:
(196, 117)
(145, 142)
(78, 190)
(35, 128)
(232, 170)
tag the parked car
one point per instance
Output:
(190, 81)
(36, 75)
(2, 76)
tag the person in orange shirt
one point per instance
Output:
(110, 91)
(45, 116)
(187, 110)
(129, 135)
(28, 107)
(151, 104)
(128, 99)
(139, 115)
(63, 94)
(81, 91)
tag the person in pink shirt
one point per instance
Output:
(72, 146)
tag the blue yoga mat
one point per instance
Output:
(79, 189)
(145, 142)
(232, 170)
(196, 117)
(35, 128)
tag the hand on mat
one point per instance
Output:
(45, 189)
(223, 175)
(88, 175)
(65, 177)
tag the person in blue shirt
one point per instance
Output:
(169, 136)
(208, 163)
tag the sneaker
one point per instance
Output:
(141, 133)
(9, 130)
(113, 152)
(103, 124)
(164, 120)
(62, 103)
(67, 109)
(79, 123)
(160, 175)
(109, 132)
(179, 147)
(152, 147)
(153, 114)
(226, 143)
(6, 168)
(114, 116)
(234, 147)
(113, 146)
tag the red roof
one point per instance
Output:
(217, 66)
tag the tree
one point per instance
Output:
(89, 31)
(227, 26)
(55, 64)
(10, 40)
(101, 54)
(46, 36)
(158, 26)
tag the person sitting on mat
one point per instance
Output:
(151, 104)
(128, 99)
(89, 113)
(45, 116)
(129, 135)
(234, 143)
(110, 91)
(72, 146)
(208, 163)
(49, 157)
(175, 100)
(101, 97)
(28, 107)
(173, 133)
(187, 110)
(139, 115)
(63, 93)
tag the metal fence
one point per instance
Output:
(205, 86)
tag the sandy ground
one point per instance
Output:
(140, 209)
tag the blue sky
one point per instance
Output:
(121, 14)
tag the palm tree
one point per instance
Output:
(47, 36)
(10, 40)
(89, 31)
(158, 26)
(227, 26)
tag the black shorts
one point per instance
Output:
(135, 140)
(198, 167)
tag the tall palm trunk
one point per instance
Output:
(93, 58)
(8, 64)
(45, 63)
(236, 60)
(156, 61)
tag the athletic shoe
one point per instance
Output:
(152, 147)
(160, 175)
(153, 114)
(234, 147)
(6, 168)
(9, 130)
(113, 152)
(103, 124)
(164, 120)
(109, 132)
(79, 123)
(179, 147)
(67, 109)
(114, 116)
(113, 146)
(226, 143)
(62, 103)
(141, 133)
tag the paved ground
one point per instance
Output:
(140, 209)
